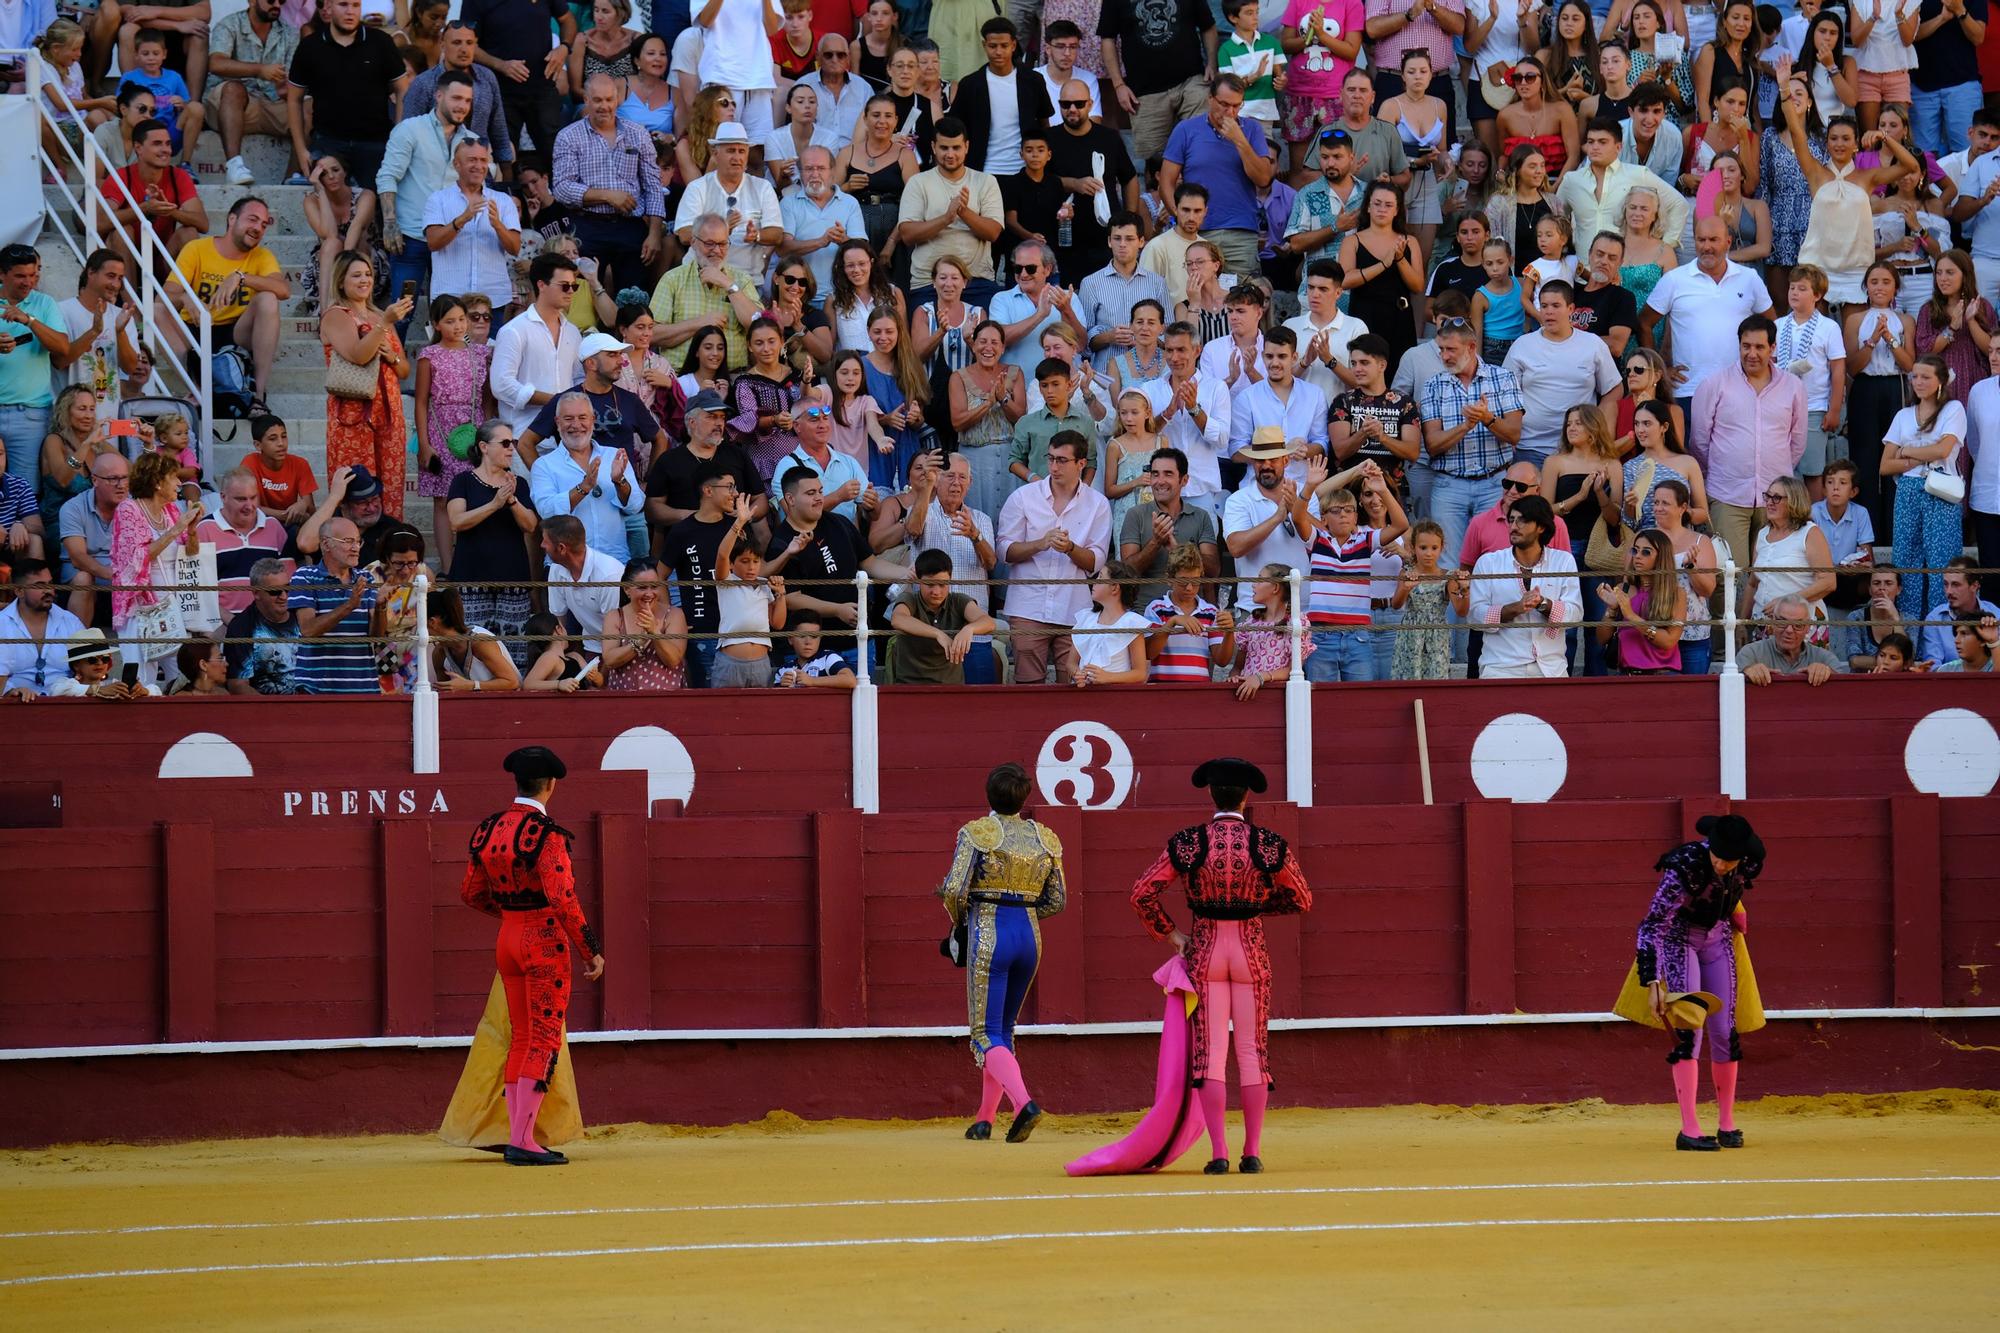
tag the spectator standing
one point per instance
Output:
(746, 203)
(1230, 156)
(938, 519)
(843, 98)
(365, 431)
(1945, 75)
(1977, 214)
(491, 522)
(355, 76)
(1193, 407)
(337, 612)
(620, 418)
(1106, 298)
(1982, 410)
(32, 333)
(1321, 41)
(692, 543)
(514, 42)
(1472, 424)
(1557, 367)
(535, 354)
(1157, 54)
(1593, 196)
(1532, 592)
(1603, 306)
(1051, 529)
(146, 528)
(818, 217)
(1701, 305)
(1033, 304)
(249, 62)
(584, 580)
(262, 653)
(35, 635)
(1426, 25)
(606, 172)
(1074, 150)
(998, 103)
(1923, 441)
(458, 51)
(1164, 523)
(1811, 347)
(1341, 552)
(1326, 212)
(243, 535)
(472, 233)
(1110, 637)
(819, 553)
(1189, 636)
(1296, 408)
(1747, 429)
(1382, 270)
(953, 210)
(1257, 521)
(101, 347)
(242, 285)
(1374, 421)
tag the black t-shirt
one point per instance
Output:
(496, 548)
(1945, 59)
(1159, 41)
(1390, 410)
(351, 85)
(691, 549)
(552, 220)
(672, 477)
(1455, 275)
(514, 30)
(1069, 155)
(1035, 202)
(264, 654)
(824, 569)
(1600, 312)
(622, 423)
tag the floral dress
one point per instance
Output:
(139, 609)
(1783, 187)
(1268, 648)
(1424, 654)
(371, 434)
(458, 378)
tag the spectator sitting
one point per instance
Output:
(1190, 635)
(1643, 612)
(34, 634)
(202, 668)
(535, 353)
(1894, 655)
(242, 534)
(936, 625)
(1524, 629)
(951, 209)
(1785, 652)
(574, 561)
(262, 645)
(1974, 639)
(285, 482)
(336, 600)
(249, 63)
(937, 518)
(20, 514)
(354, 494)
(820, 553)
(707, 292)
(560, 665)
(1156, 528)
(748, 607)
(1792, 559)
(151, 191)
(90, 661)
(396, 609)
(1106, 656)
(1052, 528)
(1961, 599)
(1874, 623)
(84, 525)
(645, 636)
(809, 666)
(143, 57)
(1265, 655)
(243, 285)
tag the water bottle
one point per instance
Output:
(1065, 229)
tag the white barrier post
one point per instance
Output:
(424, 740)
(1732, 740)
(867, 780)
(1298, 710)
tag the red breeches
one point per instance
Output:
(534, 961)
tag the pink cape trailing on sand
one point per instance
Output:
(1171, 1127)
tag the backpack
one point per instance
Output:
(231, 379)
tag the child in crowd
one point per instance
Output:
(1810, 346)
(560, 664)
(1497, 313)
(1423, 590)
(809, 666)
(173, 437)
(1264, 655)
(62, 49)
(1894, 655)
(285, 482)
(1254, 57)
(1555, 259)
(452, 391)
(857, 421)
(1975, 637)
(749, 605)
(171, 99)
(935, 625)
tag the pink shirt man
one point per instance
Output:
(1745, 438)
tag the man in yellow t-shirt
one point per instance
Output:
(241, 283)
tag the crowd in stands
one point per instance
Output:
(1078, 329)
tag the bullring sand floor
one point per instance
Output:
(1845, 1211)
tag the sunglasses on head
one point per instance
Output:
(1335, 135)
(1454, 322)
(812, 412)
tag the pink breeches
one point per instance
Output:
(1227, 994)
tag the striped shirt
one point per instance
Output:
(1186, 655)
(1340, 575)
(340, 661)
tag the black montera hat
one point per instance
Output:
(535, 763)
(1230, 773)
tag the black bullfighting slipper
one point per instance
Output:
(1729, 1138)
(979, 1129)
(1217, 1167)
(1251, 1166)
(1696, 1143)
(1024, 1124)
(522, 1157)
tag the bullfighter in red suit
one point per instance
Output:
(520, 872)
(1234, 873)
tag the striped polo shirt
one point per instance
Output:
(1186, 655)
(1340, 574)
(340, 661)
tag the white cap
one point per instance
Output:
(600, 341)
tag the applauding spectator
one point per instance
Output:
(1526, 594)
(1050, 529)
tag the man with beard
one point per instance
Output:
(1524, 615)
(1073, 153)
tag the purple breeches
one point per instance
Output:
(1708, 963)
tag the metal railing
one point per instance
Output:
(79, 231)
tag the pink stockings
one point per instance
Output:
(523, 1103)
(1228, 996)
(1002, 1073)
(1687, 1076)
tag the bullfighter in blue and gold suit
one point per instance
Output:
(1006, 875)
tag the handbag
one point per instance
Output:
(1604, 556)
(360, 384)
(1943, 483)
(1496, 85)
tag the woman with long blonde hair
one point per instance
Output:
(897, 383)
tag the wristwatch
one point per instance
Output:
(735, 287)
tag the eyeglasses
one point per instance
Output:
(1058, 458)
(1775, 497)
(1068, 105)
(833, 55)
(569, 287)
(1520, 487)
(340, 541)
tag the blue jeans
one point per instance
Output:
(24, 429)
(1943, 119)
(1455, 502)
(700, 661)
(1695, 656)
(1340, 655)
(412, 264)
(1420, 480)
(1593, 609)
(1382, 640)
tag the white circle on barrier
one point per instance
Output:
(657, 753)
(1085, 764)
(204, 754)
(1519, 757)
(1953, 752)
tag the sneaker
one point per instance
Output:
(239, 172)
(297, 178)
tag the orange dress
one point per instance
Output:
(371, 434)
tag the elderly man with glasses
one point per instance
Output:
(842, 96)
(337, 610)
(706, 292)
(83, 527)
(1785, 652)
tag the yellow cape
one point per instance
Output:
(477, 1116)
(1633, 1002)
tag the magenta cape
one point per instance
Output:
(1171, 1127)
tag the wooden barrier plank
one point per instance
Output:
(625, 863)
(1917, 882)
(408, 1009)
(1060, 994)
(840, 919)
(1489, 908)
(187, 856)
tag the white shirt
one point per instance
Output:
(1982, 410)
(755, 200)
(1808, 351)
(1027, 516)
(473, 260)
(1344, 330)
(1218, 358)
(1556, 375)
(1702, 315)
(602, 510)
(1529, 644)
(1904, 432)
(1301, 414)
(1003, 141)
(1077, 74)
(686, 58)
(17, 660)
(588, 606)
(99, 366)
(527, 361)
(1245, 510)
(1107, 652)
(1206, 444)
(735, 52)
(840, 112)
(1885, 51)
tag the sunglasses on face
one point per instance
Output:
(1520, 487)
(480, 319)
(569, 286)
(1775, 497)
(791, 280)
(1073, 106)
(1638, 369)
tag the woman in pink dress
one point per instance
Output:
(451, 392)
